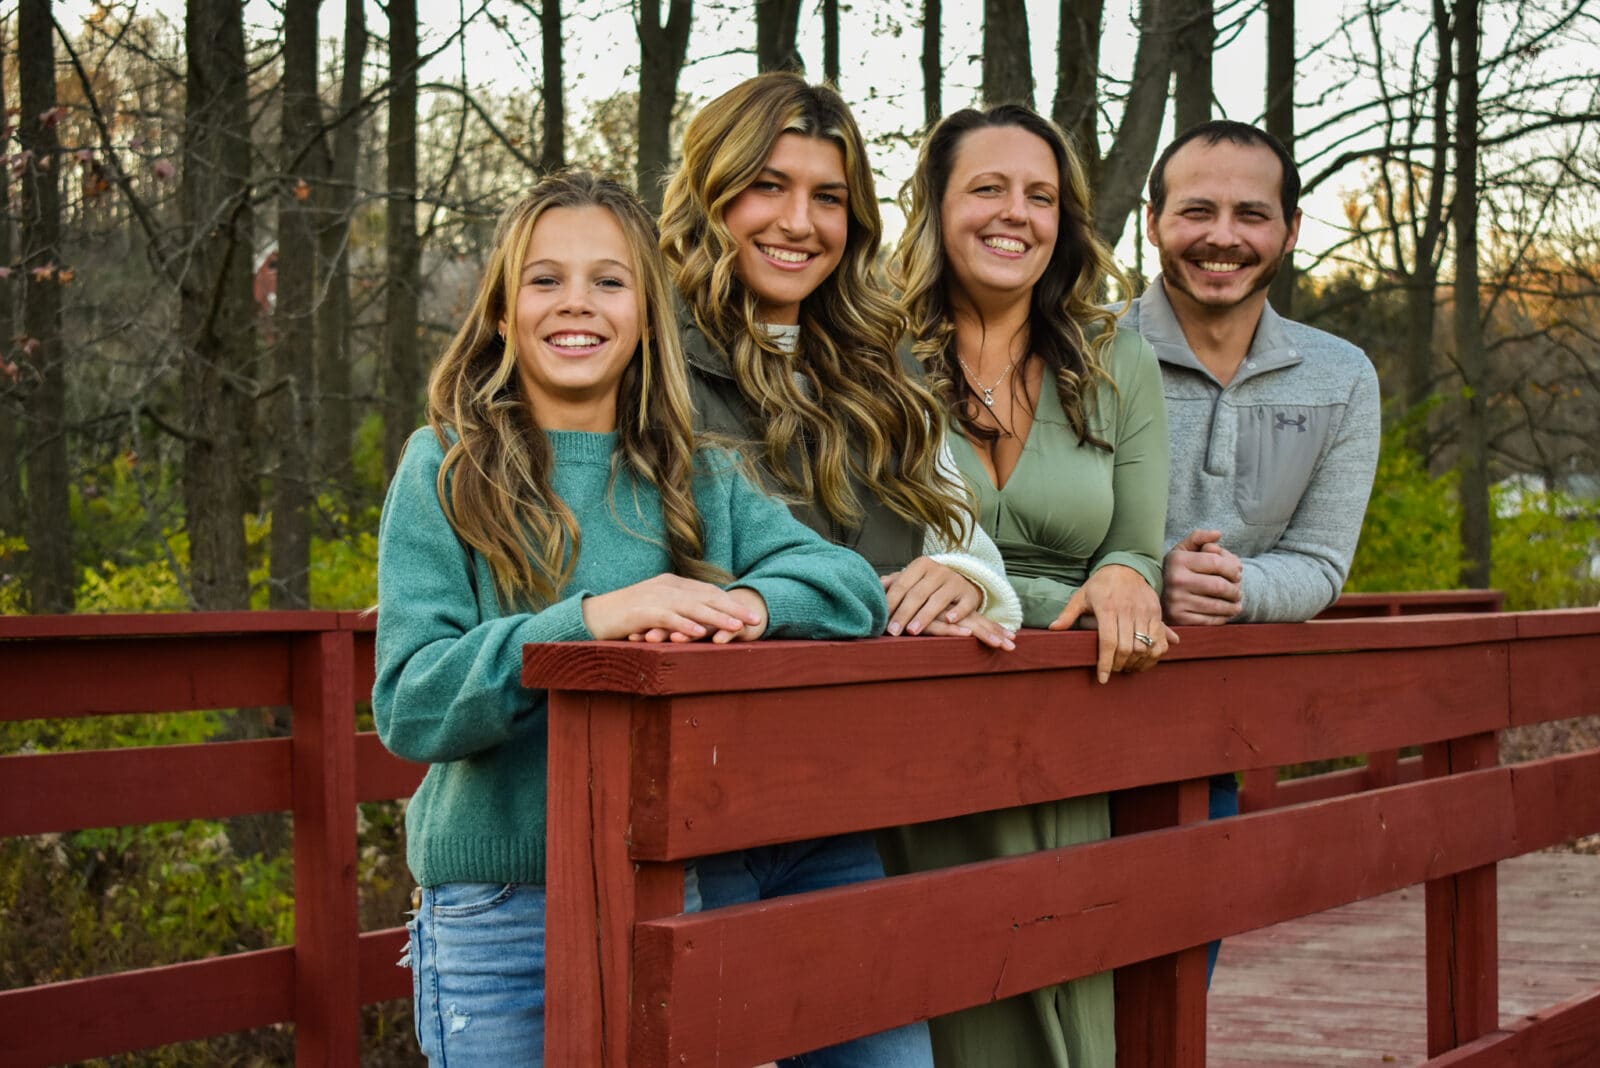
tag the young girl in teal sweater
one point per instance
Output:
(556, 495)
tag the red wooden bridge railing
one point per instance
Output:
(664, 753)
(1265, 788)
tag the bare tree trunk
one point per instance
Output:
(11, 410)
(830, 41)
(1077, 104)
(216, 304)
(932, 63)
(777, 27)
(403, 260)
(553, 149)
(1007, 58)
(305, 166)
(1123, 172)
(1475, 535)
(1191, 63)
(334, 423)
(1422, 282)
(1280, 119)
(661, 54)
(49, 528)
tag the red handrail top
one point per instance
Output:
(182, 624)
(665, 670)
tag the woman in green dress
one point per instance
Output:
(1059, 426)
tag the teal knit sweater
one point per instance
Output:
(448, 690)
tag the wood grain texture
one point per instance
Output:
(1462, 923)
(1555, 677)
(593, 883)
(875, 954)
(45, 792)
(150, 624)
(1564, 1036)
(1161, 1002)
(58, 678)
(1412, 602)
(1347, 986)
(327, 971)
(661, 670)
(74, 1021)
(752, 769)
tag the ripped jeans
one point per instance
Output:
(477, 974)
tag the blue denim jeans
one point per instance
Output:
(477, 974)
(774, 871)
(1224, 802)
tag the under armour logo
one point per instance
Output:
(1283, 422)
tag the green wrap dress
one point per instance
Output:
(1066, 511)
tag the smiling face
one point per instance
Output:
(791, 224)
(1221, 235)
(1000, 213)
(577, 318)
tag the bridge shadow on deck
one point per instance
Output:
(1347, 986)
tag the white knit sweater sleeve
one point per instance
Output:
(976, 558)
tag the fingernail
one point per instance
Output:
(894, 628)
(915, 628)
(951, 617)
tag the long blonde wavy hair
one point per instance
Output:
(1068, 327)
(849, 326)
(494, 482)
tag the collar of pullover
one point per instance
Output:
(1270, 349)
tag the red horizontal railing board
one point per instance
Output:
(49, 792)
(1353, 605)
(382, 977)
(1557, 672)
(851, 757)
(175, 624)
(1563, 1036)
(664, 670)
(1555, 623)
(877, 954)
(382, 776)
(61, 677)
(73, 1021)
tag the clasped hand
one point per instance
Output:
(1203, 582)
(1123, 606)
(677, 609)
(926, 597)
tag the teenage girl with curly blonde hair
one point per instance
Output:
(556, 495)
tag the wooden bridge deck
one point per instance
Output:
(1346, 986)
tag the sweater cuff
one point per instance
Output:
(1000, 601)
(560, 622)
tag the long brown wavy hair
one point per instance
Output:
(849, 326)
(494, 482)
(1068, 327)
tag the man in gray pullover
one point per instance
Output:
(1274, 424)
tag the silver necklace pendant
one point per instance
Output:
(988, 396)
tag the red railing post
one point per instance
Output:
(592, 882)
(1462, 923)
(327, 978)
(1161, 1003)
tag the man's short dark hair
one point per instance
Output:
(1239, 133)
